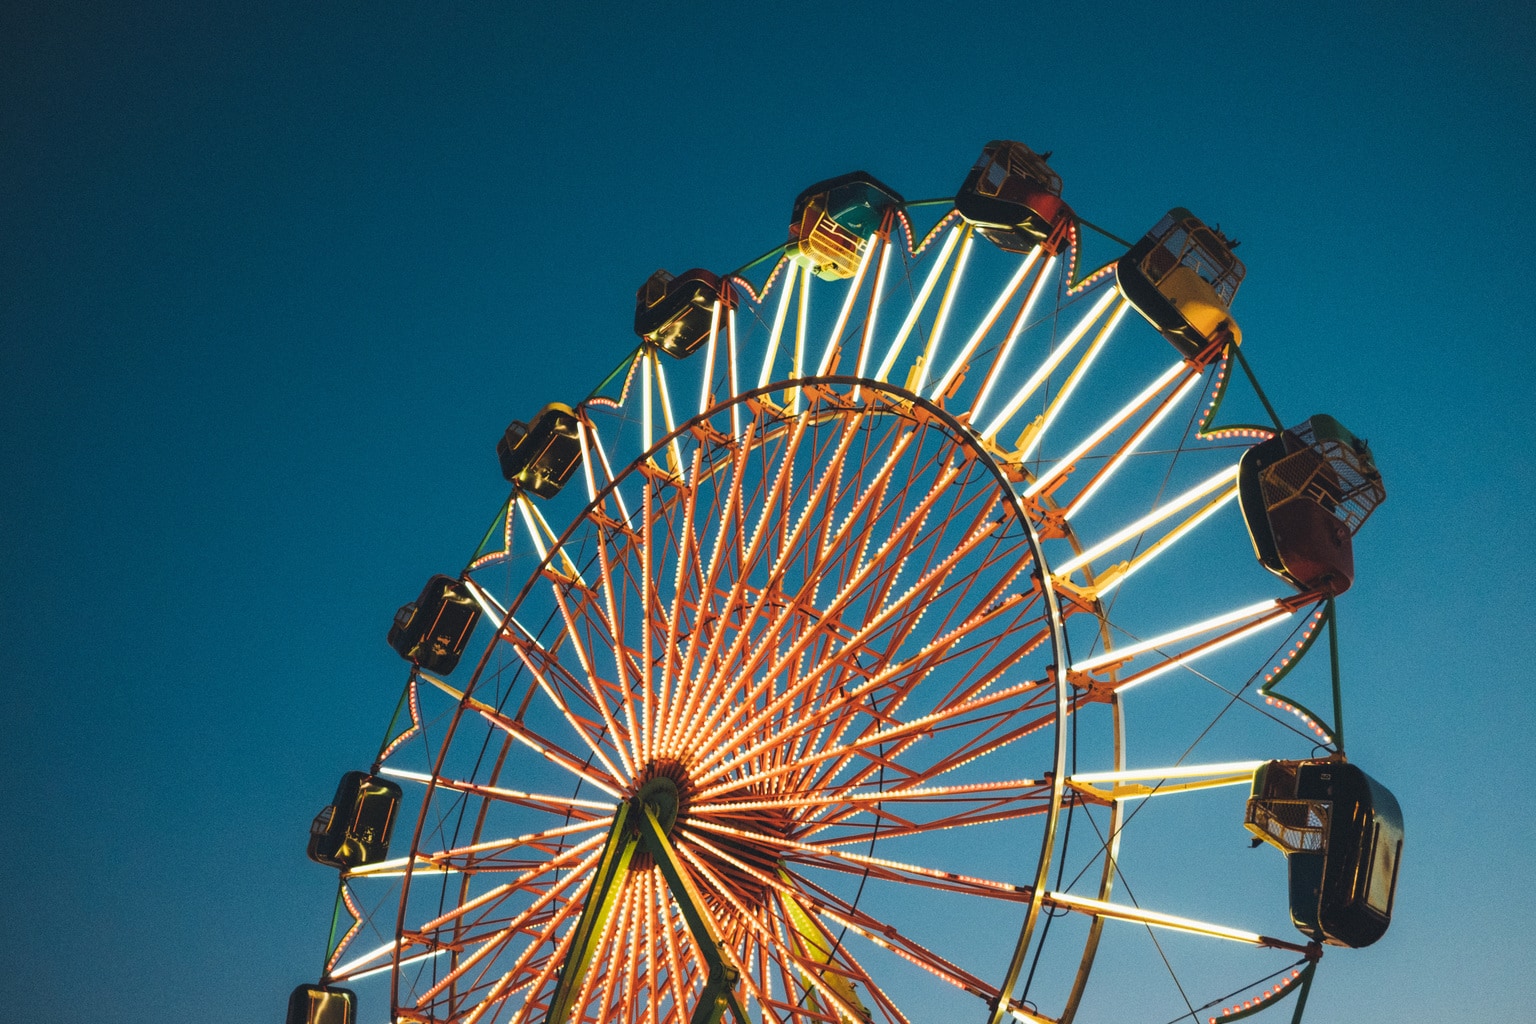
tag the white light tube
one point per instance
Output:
(1152, 673)
(986, 322)
(1137, 438)
(730, 337)
(709, 358)
(1121, 415)
(1074, 379)
(1204, 626)
(1137, 915)
(853, 294)
(918, 303)
(868, 341)
(1019, 326)
(801, 312)
(788, 287)
(1152, 518)
(1193, 771)
(945, 305)
(1051, 362)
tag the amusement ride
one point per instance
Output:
(902, 633)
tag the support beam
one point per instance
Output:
(720, 990)
(637, 825)
(606, 886)
(1137, 915)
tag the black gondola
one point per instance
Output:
(433, 630)
(355, 828)
(1342, 834)
(1014, 198)
(675, 313)
(1182, 276)
(1305, 493)
(322, 1004)
(541, 456)
(832, 219)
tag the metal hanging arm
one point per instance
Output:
(1338, 691)
(1305, 989)
(1243, 362)
(1107, 234)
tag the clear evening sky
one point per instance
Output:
(273, 279)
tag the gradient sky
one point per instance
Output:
(273, 279)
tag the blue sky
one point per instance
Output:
(275, 280)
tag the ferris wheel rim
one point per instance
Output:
(880, 398)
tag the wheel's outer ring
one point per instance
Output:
(966, 438)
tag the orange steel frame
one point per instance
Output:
(784, 749)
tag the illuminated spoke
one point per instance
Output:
(891, 355)
(788, 286)
(959, 363)
(731, 344)
(866, 337)
(946, 304)
(493, 943)
(602, 457)
(674, 448)
(844, 914)
(1035, 432)
(1171, 662)
(835, 340)
(551, 752)
(1066, 462)
(801, 320)
(1129, 448)
(535, 801)
(1027, 390)
(1099, 908)
(706, 396)
(1020, 322)
(1223, 481)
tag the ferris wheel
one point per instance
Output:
(881, 641)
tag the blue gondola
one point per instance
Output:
(833, 219)
(1342, 834)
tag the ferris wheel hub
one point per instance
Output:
(661, 793)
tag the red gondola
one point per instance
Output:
(1305, 493)
(1014, 198)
